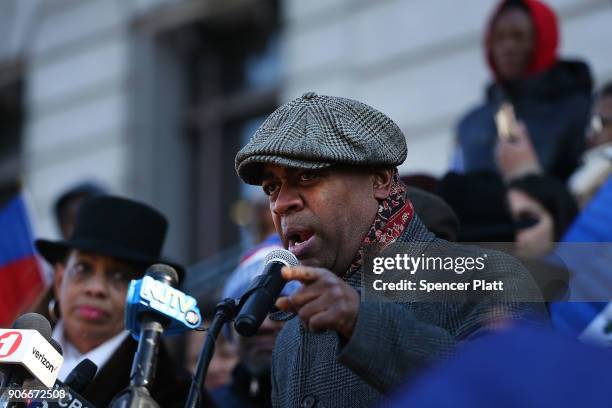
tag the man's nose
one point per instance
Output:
(287, 201)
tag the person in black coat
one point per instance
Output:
(113, 242)
(551, 97)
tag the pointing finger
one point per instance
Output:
(304, 274)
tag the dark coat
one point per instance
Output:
(391, 340)
(554, 105)
(170, 388)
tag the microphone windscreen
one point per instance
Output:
(265, 289)
(164, 273)
(281, 255)
(80, 377)
(34, 321)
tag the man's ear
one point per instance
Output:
(383, 179)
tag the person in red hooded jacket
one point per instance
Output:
(551, 97)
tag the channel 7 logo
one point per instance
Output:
(9, 342)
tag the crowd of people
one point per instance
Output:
(531, 167)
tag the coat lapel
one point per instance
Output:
(114, 376)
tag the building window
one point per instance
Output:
(234, 76)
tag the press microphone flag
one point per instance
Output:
(149, 295)
(31, 350)
(28, 348)
(153, 306)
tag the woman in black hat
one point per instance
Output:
(114, 241)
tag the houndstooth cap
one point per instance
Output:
(318, 131)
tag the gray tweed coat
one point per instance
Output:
(391, 341)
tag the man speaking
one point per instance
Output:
(328, 165)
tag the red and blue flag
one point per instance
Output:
(21, 278)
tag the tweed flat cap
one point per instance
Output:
(318, 131)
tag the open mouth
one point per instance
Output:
(299, 241)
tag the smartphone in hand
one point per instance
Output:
(505, 121)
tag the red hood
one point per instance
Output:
(546, 31)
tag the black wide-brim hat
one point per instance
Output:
(117, 227)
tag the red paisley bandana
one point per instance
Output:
(394, 214)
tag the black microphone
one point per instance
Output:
(80, 377)
(259, 298)
(76, 382)
(34, 321)
(151, 329)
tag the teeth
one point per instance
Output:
(296, 240)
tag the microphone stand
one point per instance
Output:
(225, 311)
(136, 395)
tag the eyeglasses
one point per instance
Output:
(119, 278)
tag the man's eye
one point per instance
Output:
(308, 176)
(270, 188)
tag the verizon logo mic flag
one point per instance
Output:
(29, 349)
(21, 278)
